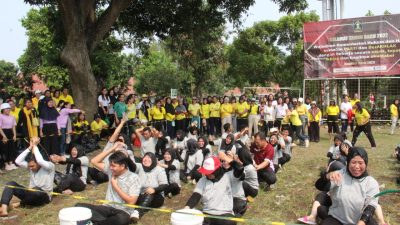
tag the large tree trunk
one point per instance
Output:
(83, 83)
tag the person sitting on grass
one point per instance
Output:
(41, 179)
(215, 192)
(192, 160)
(76, 172)
(123, 187)
(172, 168)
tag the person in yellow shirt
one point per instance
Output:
(242, 112)
(205, 116)
(158, 115)
(353, 101)
(301, 109)
(297, 125)
(180, 116)
(36, 99)
(363, 124)
(170, 117)
(56, 96)
(333, 118)
(80, 128)
(254, 117)
(215, 119)
(194, 111)
(226, 111)
(14, 111)
(314, 117)
(394, 113)
(234, 116)
(65, 96)
(98, 127)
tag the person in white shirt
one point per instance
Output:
(269, 113)
(345, 106)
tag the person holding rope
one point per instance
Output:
(41, 179)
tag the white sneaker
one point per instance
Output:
(307, 142)
(135, 216)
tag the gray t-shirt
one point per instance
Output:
(277, 154)
(217, 197)
(288, 146)
(236, 185)
(153, 179)
(193, 160)
(351, 197)
(128, 182)
(251, 176)
(174, 174)
(148, 145)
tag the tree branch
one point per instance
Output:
(105, 22)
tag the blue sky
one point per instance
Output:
(13, 39)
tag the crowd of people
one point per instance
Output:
(228, 148)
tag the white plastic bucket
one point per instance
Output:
(75, 216)
(186, 219)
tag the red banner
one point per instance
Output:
(365, 46)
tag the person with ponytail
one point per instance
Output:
(154, 182)
(172, 167)
(74, 180)
(123, 187)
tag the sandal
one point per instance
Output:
(305, 220)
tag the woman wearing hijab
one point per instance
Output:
(75, 177)
(215, 192)
(250, 183)
(28, 122)
(48, 126)
(352, 191)
(205, 148)
(192, 161)
(153, 180)
(172, 168)
(161, 145)
(228, 144)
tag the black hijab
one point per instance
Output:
(172, 152)
(161, 144)
(153, 162)
(244, 154)
(47, 113)
(227, 147)
(169, 108)
(218, 173)
(357, 151)
(180, 135)
(192, 147)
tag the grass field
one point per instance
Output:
(289, 199)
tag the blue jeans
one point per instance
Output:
(63, 145)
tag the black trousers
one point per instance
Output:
(154, 200)
(333, 124)
(180, 125)
(97, 175)
(69, 181)
(284, 159)
(249, 190)
(213, 221)
(8, 150)
(194, 175)
(330, 220)
(205, 130)
(27, 197)
(106, 215)
(213, 125)
(50, 141)
(239, 206)
(313, 131)
(170, 129)
(265, 175)
(325, 200)
(278, 123)
(172, 188)
(366, 128)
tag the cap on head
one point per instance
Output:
(5, 106)
(210, 165)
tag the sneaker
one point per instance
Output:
(293, 145)
(194, 182)
(373, 148)
(307, 143)
(135, 216)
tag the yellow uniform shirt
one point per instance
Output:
(242, 109)
(205, 111)
(180, 116)
(226, 110)
(362, 117)
(131, 111)
(35, 102)
(56, 100)
(295, 119)
(175, 104)
(158, 114)
(301, 109)
(253, 109)
(394, 111)
(317, 117)
(215, 109)
(194, 109)
(67, 98)
(15, 113)
(333, 110)
(78, 126)
(97, 127)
